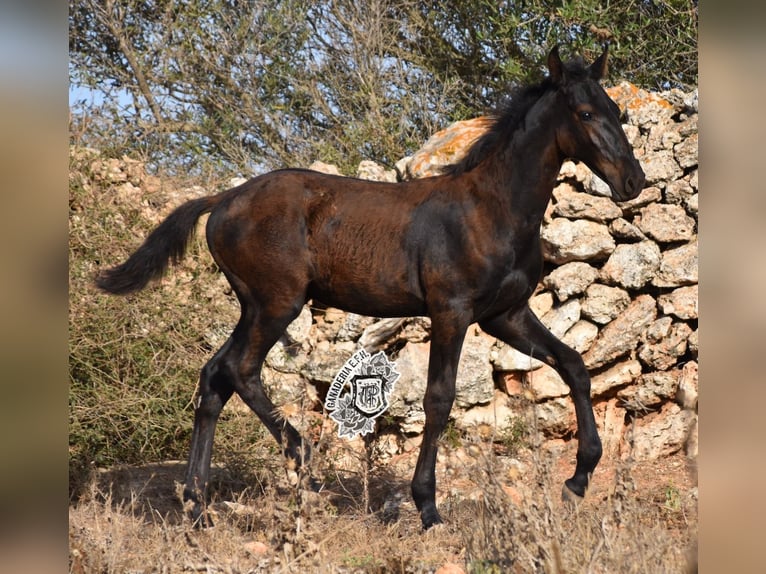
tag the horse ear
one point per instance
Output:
(598, 69)
(555, 67)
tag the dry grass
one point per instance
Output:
(363, 520)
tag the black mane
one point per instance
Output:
(507, 117)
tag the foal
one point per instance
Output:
(461, 248)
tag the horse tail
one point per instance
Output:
(168, 242)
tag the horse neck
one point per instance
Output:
(528, 167)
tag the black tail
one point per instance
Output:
(167, 242)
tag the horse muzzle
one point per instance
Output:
(630, 184)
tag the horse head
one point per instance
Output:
(590, 130)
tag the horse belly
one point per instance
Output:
(377, 286)
(370, 304)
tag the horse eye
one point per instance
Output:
(586, 116)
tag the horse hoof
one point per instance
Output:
(569, 496)
(430, 519)
(313, 484)
(201, 519)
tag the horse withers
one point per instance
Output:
(462, 247)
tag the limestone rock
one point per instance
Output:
(686, 151)
(445, 147)
(619, 375)
(410, 389)
(560, 319)
(556, 417)
(564, 241)
(324, 168)
(682, 302)
(648, 195)
(610, 418)
(661, 433)
(626, 231)
(541, 303)
(505, 358)
(577, 171)
(622, 335)
(652, 389)
(368, 169)
(679, 266)
(662, 136)
(374, 336)
(602, 303)
(326, 359)
(546, 383)
(576, 205)
(475, 384)
(642, 108)
(665, 353)
(570, 279)
(581, 335)
(286, 357)
(694, 179)
(694, 343)
(416, 329)
(666, 223)
(497, 414)
(353, 327)
(691, 204)
(298, 330)
(598, 187)
(632, 265)
(677, 192)
(286, 388)
(688, 386)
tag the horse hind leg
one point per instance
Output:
(254, 343)
(236, 367)
(215, 388)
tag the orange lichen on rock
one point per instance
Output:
(630, 97)
(446, 147)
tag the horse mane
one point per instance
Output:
(508, 116)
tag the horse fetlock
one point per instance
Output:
(195, 508)
(200, 517)
(297, 456)
(577, 485)
(588, 455)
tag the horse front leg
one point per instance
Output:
(524, 331)
(446, 343)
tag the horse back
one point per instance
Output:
(342, 239)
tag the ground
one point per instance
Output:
(502, 513)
